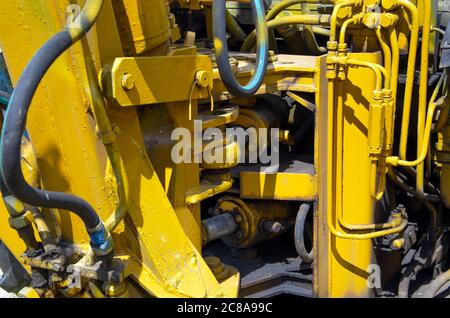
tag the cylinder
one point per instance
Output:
(143, 25)
(218, 226)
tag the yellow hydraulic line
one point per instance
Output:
(391, 104)
(339, 170)
(344, 27)
(386, 54)
(307, 19)
(409, 6)
(234, 27)
(393, 40)
(377, 69)
(279, 7)
(423, 150)
(365, 236)
(377, 189)
(423, 90)
(337, 8)
(443, 118)
(330, 187)
(88, 15)
(108, 136)
(320, 31)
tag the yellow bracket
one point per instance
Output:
(152, 76)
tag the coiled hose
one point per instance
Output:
(14, 126)
(221, 49)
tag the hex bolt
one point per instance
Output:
(273, 226)
(128, 82)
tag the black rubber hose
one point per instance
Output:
(221, 49)
(14, 126)
(26, 233)
(299, 234)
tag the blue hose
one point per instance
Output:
(221, 49)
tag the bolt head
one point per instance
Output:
(128, 82)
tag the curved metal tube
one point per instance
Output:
(299, 234)
(306, 19)
(437, 284)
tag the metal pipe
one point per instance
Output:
(234, 27)
(409, 6)
(423, 90)
(279, 7)
(423, 150)
(388, 228)
(386, 54)
(108, 136)
(217, 227)
(337, 8)
(306, 19)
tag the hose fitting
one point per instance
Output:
(101, 241)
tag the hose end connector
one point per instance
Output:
(101, 240)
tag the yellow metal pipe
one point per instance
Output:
(344, 27)
(279, 7)
(306, 19)
(423, 150)
(377, 188)
(386, 54)
(364, 236)
(393, 40)
(423, 90)
(377, 69)
(234, 27)
(108, 136)
(339, 173)
(337, 8)
(411, 8)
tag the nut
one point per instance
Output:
(128, 82)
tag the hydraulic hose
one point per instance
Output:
(299, 234)
(14, 126)
(221, 49)
(436, 285)
(4, 98)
